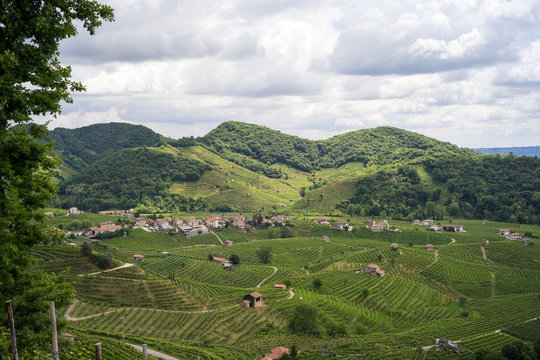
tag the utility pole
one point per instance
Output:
(14, 352)
(145, 352)
(54, 333)
(98, 351)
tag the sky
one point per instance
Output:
(462, 71)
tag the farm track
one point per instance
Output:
(154, 353)
(216, 235)
(483, 252)
(268, 277)
(70, 308)
(126, 265)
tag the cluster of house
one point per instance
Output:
(193, 226)
(336, 225)
(108, 226)
(435, 227)
(378, 226)
(514, 236)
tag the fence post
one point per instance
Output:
(98, 351)
(54, 333)
(14, 352)
(145, 352)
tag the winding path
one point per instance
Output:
(216, 235)
(268, 277)
(70, 308)
(154, 353)
(126, 265)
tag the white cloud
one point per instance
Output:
(466, 72)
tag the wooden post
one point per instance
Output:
(98, 351)
(54, 333)
(14, 352)
(145, 352)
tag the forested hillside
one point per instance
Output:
(391, 172)
(129, 177)
(78, 148)
(383, 145)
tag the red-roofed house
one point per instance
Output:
(280, 286)
(373, 269)
(276, 353)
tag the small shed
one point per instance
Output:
(255, 299)
(429, 247)
(393, 246)
(525, 241)
(485, 242)
(228, 243)
(138, 258)
(447, 344)
(227, 266)
(325, 238)
(280, 286)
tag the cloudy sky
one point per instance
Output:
(463, 71)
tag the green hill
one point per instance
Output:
(382, 145)
(78, 148)
(129, 177)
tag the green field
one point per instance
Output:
(177, 297)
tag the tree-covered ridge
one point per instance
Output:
(500, 188)
(382, 145)
(262, 143)
(80, 147)
(128, 178)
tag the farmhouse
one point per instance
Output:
(280, 286)
(525, 241)
(325, 238)
(429, 247)
(163, 225)
(73, 211)
(228, 243)
(515, 236)
(49, 214)
(138, 258)
(342, 226)
(140, 222)
(276, 353)
(373, 269)
(393, 246)
(92, 231)
(254, 299)
(380, 226)
(227, 266)
(454, 228)
(416, 222)
(504, 232)
(447, 344)
(427, 222)
(485, 242)
(321, 220)
(193, 231)
(220, 260)
(435, 227)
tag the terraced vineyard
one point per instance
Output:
(177, 296)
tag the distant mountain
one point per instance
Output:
(518, 151)
(78, 148)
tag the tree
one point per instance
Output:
(235, 259)
(265, 254)
(518, 350)
(304, 319)
(32, 83)
(462, 300)
(317, 283)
